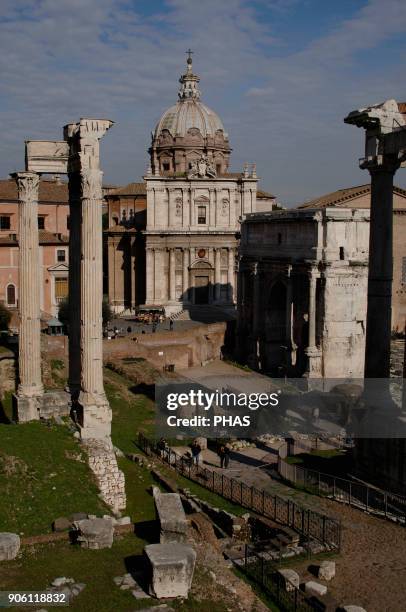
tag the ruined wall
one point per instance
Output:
(184, 349)
(7, 371)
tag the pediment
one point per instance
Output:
(61, 267)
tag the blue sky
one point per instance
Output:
(281, 74)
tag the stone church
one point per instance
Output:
(172, 240)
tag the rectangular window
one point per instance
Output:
(201, 215)
(61, 289)
(41, 222)
(61, 255)
(4, 222)
(166, 166)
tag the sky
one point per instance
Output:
(281, 74)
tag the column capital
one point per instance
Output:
(27, 184)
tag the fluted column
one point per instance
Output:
(217, 275)
(75, 220)
(84, 137)
(172, 275)
(30, 389)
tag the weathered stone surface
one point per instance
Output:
(171, 567)
(291, 579)
(110, 480)
(315, 588)
(9, 546)
(171, 516)
(327, 570)
(61, 524)
(124, 520)
(161, 608)
(351, 608)
(95, 533)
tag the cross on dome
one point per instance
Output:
(189, 81)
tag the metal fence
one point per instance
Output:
(308, 523)
(356, 494)
(264, 572)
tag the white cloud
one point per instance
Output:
(71, 58)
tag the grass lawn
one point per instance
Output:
(37, 566)
(43, 475)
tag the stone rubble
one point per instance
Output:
(291, 579)
(9, 546)
(67, 586)
(171, 568)
(171, 517)
(314, 588)
(95, 533)
(327, 570)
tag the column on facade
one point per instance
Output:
(186, 283)
(380, 273)
(212, 208)
(150, 276)
(231, 274)
(289, 306)
(256, 303)
(217, 275)
(169, 214)
(172, 275)
(30, 389)
(133, 267)
(312, 310)
(192, 207)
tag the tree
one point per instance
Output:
(63, 312)
(5, 316)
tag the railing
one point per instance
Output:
(308, 523)
(356, 494)
(264, 572)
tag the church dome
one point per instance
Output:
(187, 130)
(187, 114)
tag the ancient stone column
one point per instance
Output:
(289, 308)
(172, 275)
(30, 389)
(312, 310)
(84, 137)
(217, 275)
(75, 220)
(380, 273)
(256, 301)
(186, 259)
(312, 352)
(231, 274)
(150, 276)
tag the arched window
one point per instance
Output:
(11, 295)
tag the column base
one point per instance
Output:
(313, 362)
(27, 408)
(94, 417)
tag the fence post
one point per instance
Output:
(231, 488)
(213, 480)
(334, 488)
(367, 499)
(245, 560)
(319, 482)
(386, 504)
(324, 528)
(241, 492)
(222, 484)
(252, 498)
(263, 502)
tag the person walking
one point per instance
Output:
(196, 450)
(224, 454)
